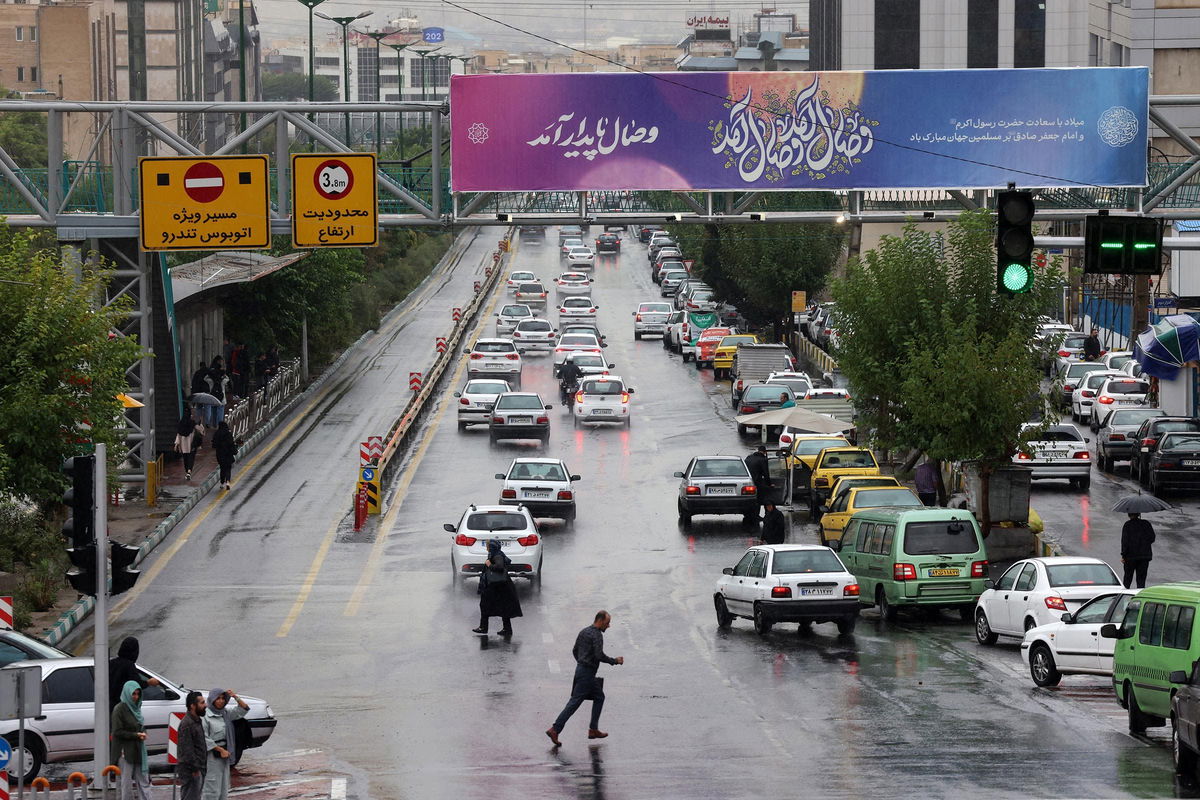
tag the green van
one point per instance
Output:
(930, 557)
(1156, 637)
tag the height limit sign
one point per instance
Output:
(334, 200)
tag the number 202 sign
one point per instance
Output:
(334, 200)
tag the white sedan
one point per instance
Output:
(576, 308)
(509, 316)
(603, 398)
(1073, 645)
(543, 485)
(801, 583)
(1060, 452)
(1038, 591)
(476, 399)
(518, 277)
(581, 258)
(534, 334)
(574, 343)
(514, 528)
(572, 283)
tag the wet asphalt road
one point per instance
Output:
(362, 642)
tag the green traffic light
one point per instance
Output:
(1017, 278)
(1144, 245)
(1112, 245)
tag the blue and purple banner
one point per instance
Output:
(730, 131)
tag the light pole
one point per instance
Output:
(425, 55)
(378, 36)
(310, 5)
(345, 23)
(400, 87)
(465, 60)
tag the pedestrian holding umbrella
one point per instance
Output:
(1137, 536)
(1140, 504)
(204, 399)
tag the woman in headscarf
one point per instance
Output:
(221, 740)
(128, 749)
(188, 435)
(226, 450)
(497, 595)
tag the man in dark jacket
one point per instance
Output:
(588, 652)
(1137, 539)
(124, 668)
(199, 384)
(774, 527)
(192, 753)
(760, 472)
(1091, 346)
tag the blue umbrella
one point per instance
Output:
(1163, 348)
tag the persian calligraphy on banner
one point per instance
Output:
(799, 130)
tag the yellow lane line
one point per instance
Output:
(313, 570)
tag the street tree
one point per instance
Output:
(23, 136)
(289, 86)
(61, 366)
(935, 358)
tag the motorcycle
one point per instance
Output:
(566, 390)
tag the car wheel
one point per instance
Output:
(1155, 489)
(462, 426)
(762, 623)
(1084, 483)
(846, 625)
(887, 611)
(741, 429)
(1184, 757)
(33, 757)
(575, 420)
(628, 423)
(1042, 668)
(491, 438)
(724, 618)
(983, 631)
(545, 438)
(1074, 416)
(1030, 624)
(636, 335)
(686, 357)
(684, 516)
(1137, 720)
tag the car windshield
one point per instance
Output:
(719, 468)
(1074, 341)
(578, 340)
(1079, 369)
(516, 311)
(39, 648)
(494, 347)
(1181, 441)
(496, 521)
(588, 360)
(1095, 381)
(530, 288)
(519, 401)
(765, 393)
(1081, 575)
(1116, 362)
(848, 459)
(573, 277)
(587, 330)
(1127, 387)
(1132, 417)
(702, 297)
(577, 302)
(1063, 434)
(810, 447)
(674, 275)
(794, 562)
(570, 244)
(534, 325)
(734, 341)
(526, 471)
(797, 385)
(951, 537)
(655, 308)
(602, 387)
(486, 387)
(523, 276)
(580, 251)
(874, 498)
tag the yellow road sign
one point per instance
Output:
(799, 301)
(334, 200)
(205, 203)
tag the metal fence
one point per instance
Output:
(250, 412)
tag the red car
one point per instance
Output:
(706, 345)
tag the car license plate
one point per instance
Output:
(602, 411)
(520, 420)
(1054, 454)
(537, 494)
(508, 544)
(720, 490)
(811, 592)
(1191, 463)
(943, 573)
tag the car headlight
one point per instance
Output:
(270, 713)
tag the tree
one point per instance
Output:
(936, 360)
(60, 369)
(294, 86)
(23, 136)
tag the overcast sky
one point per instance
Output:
(568, 21)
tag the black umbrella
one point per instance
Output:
(1140, 504)
(204, 399)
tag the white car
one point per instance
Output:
(572, 283)
(1038, 591)
(670, 280)
(1115, 359)
(1119, 392)
(798, 382)
(1073, 645)
(494, 358)
(543, 485)
(514, 528)
(651, 319)
(590, 363)
(518, 277)
(509, 316)
(801, 583)
(827, 392)
(574, 343)
(531, 293)
(603, 398)
(1061, 452)
(581, 258)
(1084, 393)
(577, 308)
(476, 399)
(569, 244)
(533, 335)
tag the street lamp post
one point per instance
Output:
(310, 5)
(378, 36)
(345, 23)
(425, 56)
(400, 87)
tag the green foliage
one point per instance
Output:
(294, 86)
(23, 136)
(59, 368)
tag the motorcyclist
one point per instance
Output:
(568, 378)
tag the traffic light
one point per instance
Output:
(123, 578)
(1122, 245)
(80, 500)
(82, 575)
(1014, 242)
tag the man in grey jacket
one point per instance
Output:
(191, 754)
(588, 652)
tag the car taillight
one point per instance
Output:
(749, 490)
(624, 397)
(1055, 603)
(528, 541)
(739, 384)
(498, 420)
(1086, 393)
(594, 350)
(1023, 456)
(1106, 400)
(560, 349)
(692, 490)
(638, 318)
(462, 540)
(850, 591)
(516, 334)
(579, 397)
(748, 409)
(543, 420)
(781, 591)
(979, 569)
(904, 572)
(785, 439)
(1068, 387)
(509, 494)
(1116, 437)
(828, 331)
(692, 305)
(1084, 454)
(566, 495)
(476, 356)
(1064, 353)
(513, 357)
(1149, 442)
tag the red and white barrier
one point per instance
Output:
(173, 721)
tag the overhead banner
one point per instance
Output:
(887, 129)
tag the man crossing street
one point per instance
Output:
(588, 652)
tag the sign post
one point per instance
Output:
(334, 200)
(799, 301)
(206, 203)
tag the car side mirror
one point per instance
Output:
(988, 583)
(576, 478)
(1068, 618)
(631, 390)
(612, 366)
(548, 408)
(1087, 441)
(604, 344)
(448, 527)
(727, 571)
(1178, 676)
(458, 394)
(500, 476)
(678, 474)
(466, 351)
(633, 313)
(595, 306)
(1110, 631)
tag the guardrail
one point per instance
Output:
(250, 412)
(815, 355)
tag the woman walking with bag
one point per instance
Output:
(497, 595)
(226, 451)
(188, 436)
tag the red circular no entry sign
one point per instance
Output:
(203, 182)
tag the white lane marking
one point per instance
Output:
(337, 790)
(552, 665)
(547, 637)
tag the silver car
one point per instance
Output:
(716, 485)
(1115, 440)
(476, 399)
(509, 316)
(671, 280)
(650, 319)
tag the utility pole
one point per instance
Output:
(100, 613)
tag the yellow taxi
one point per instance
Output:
(723, 355)
(849, 482)
(842, 507)
(802, 453)
(833, 463)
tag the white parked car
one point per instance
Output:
(590, 363)
(533, 335)
(514, 528)
(494, 358)
(651, 319)
(801, 583)
(577, 308)
(572, 283)
(1073, 645)
(1084, 393)
(1038, 591)
(574, 343)
(603, 398)
(581, 258)
(1115, 359)
(509, 316)
(476, 399)
(826, 392)
(703, 299)
(543, 485)
(671, 278)
(798, 382)
(1061, 452)
(517, 277)
(1119, 392)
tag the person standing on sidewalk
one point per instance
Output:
(128, 749)
(588, 652)
(192, 754)
(226, 451)
(188, 435)
(1137, 540)
(220, 739)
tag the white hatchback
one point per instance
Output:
(509, 316)
(574, 343)
(576, 308)
(604, 398)
(650, 319)
(581, 258)
(1119, 392)
(476, 399)
(534, 334)
(494, 358)
(1073, 645)
(543, 485)
(1038, 591)
(1084, 394)
(518, 277)
(572, 283)
(788, 583)
(514, 528)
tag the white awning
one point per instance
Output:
(223, 269)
